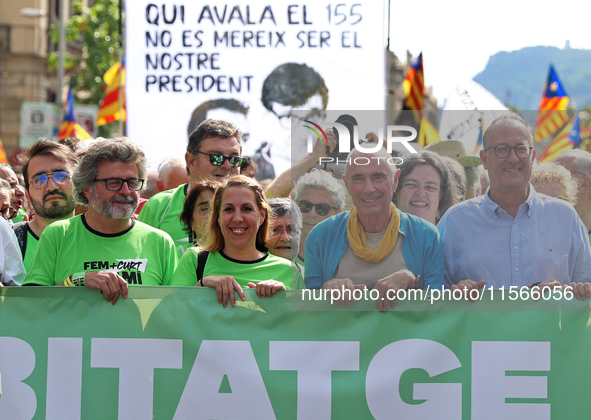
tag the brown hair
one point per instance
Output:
(195, 191)
(214, 240)
(448, 189)
(212, 128)
(44, 147)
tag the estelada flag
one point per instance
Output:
(552, 114)
(3, 158)
(427, 133)
(414, 88)
(109, 109)
(568, 138)
(69, 127)
(480, 137)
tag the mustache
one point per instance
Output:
(55, 194)
(125, 200)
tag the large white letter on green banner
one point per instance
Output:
(136, 359)
(383, 381)
(201, 398)
(64, 379)
(18, 400)
(490, 385)
(314, 361)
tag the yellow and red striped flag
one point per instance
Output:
(3, 158)
(414, 88)
(427, 133)
(69, 127)
(109, 109)
(568, 138)
(552, 114)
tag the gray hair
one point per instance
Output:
(581, 160)
(283, 207)
(511, 117)
(382, 153)
(119, 149)
(320, 179)
(544, 174)
(167, 165)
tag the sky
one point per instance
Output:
(457, 37)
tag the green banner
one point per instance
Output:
(175, 353)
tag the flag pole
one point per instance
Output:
(120, 71)
(120, 94)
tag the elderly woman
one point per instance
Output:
(554, 180)
(235, 255)
(196, 209)
(319, 196)
(425, 187)
(284, 238)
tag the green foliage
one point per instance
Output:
(93, 41)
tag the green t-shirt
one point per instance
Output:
(140, 254)
(301, 265)
(269, 267)
(162, 211)
(20, 216)
(297, 280)
(27, 240)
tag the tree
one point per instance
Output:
(92, 34)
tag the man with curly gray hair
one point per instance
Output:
(105, 248)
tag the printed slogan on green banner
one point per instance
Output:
(175, 353)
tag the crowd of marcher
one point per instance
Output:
(88, 214)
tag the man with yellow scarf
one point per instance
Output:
(375, 245)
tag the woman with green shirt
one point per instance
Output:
(235, 243)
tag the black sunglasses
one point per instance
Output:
(218, 160)
(321, 208)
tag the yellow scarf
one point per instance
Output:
(358, 242)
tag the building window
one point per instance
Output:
(4, 38)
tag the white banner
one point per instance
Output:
(37, 121)
(248, 62)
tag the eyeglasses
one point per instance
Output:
(9, 212)
(321, 208)
(115, 184)
(503, 151)
(277, 231)
(39, 181)
(218, 160)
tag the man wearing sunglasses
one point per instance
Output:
(375, 245)
(513, 236)
(213, 152)
(105, 249)
(47, 171)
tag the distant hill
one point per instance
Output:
(518, 77)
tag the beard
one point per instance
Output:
(124, 209)
(55, 211)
